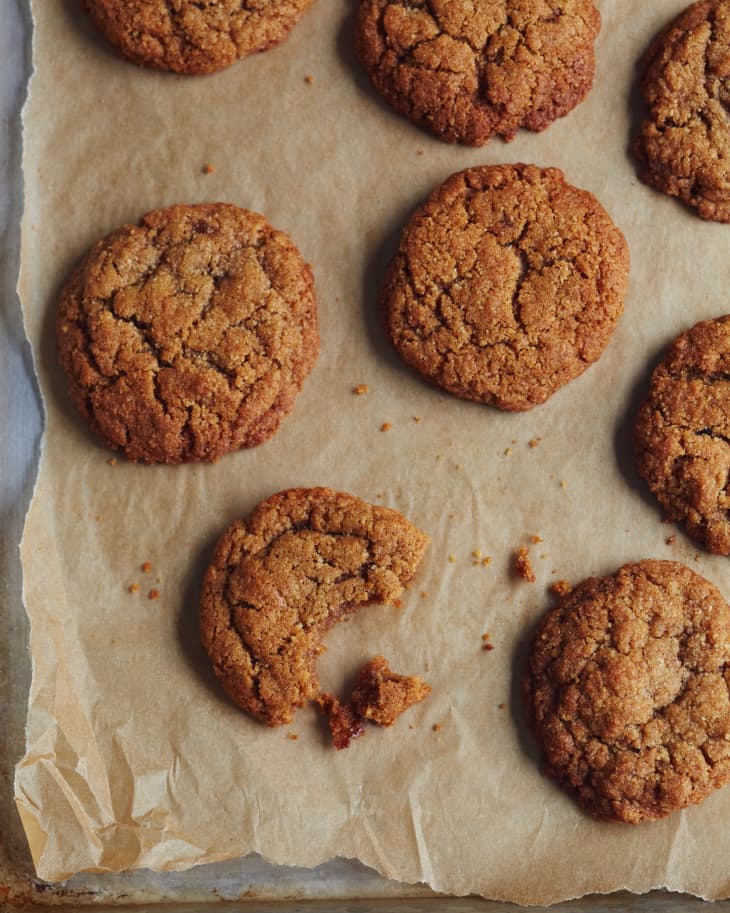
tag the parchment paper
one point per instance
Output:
(134, 756)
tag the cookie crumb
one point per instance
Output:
(671, 540)
(386, 426)
(487, 646)
(292, 735)
(309, 79)
(381, 695)
(501, 706)
(424, 594)
(417, 418)
(561, 588)
(562, 484)
(508, 451)
(208, 168)
(345, 724)
(437, 727)
(477, 553)
(534, 442)
(153, 594)
(146, 567)
(398, 603)
(112, 461)
(536, 539)
(419, 151)
(452, 558)
(360, 389)
(133, 587)
(522, 565)
(486, 561)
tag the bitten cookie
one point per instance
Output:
(188, 335)
(627, 690)
(507, 284)
(684, 143)
(279, 581)
(192, 37)
(468, 71)
(682, 433)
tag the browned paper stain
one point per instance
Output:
(134, 756)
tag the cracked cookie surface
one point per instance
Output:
(682, 433)
(507, 283)
(305, 559)
(189, 335)
(192, 37)
(627, 690)
(684, 143)
(469, 70)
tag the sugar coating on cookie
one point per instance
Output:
(682, 433)
(469, 70)
(508, 283)
(627, 691)
(192, 37)
(304, 559)
(188, 335)
(684, 143)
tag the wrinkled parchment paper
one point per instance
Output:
(134, 756)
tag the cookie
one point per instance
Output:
(468, 71)
(190, 37)
(684, 143)
(382, 695)
(627, 690)
(682, 433)
(305, 559)
(188, 335)
(507, 284)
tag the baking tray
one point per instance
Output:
(244, 884)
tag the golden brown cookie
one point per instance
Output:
(305, 559)
(627, 690)
(188, 335)
(190, 37)
(508, 283)
(682, 433)
(684, 143)
(469, 70)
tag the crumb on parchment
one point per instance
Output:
(360, 389)
(522, 565)
(561, 588)
(386, 426)
(153, 594)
